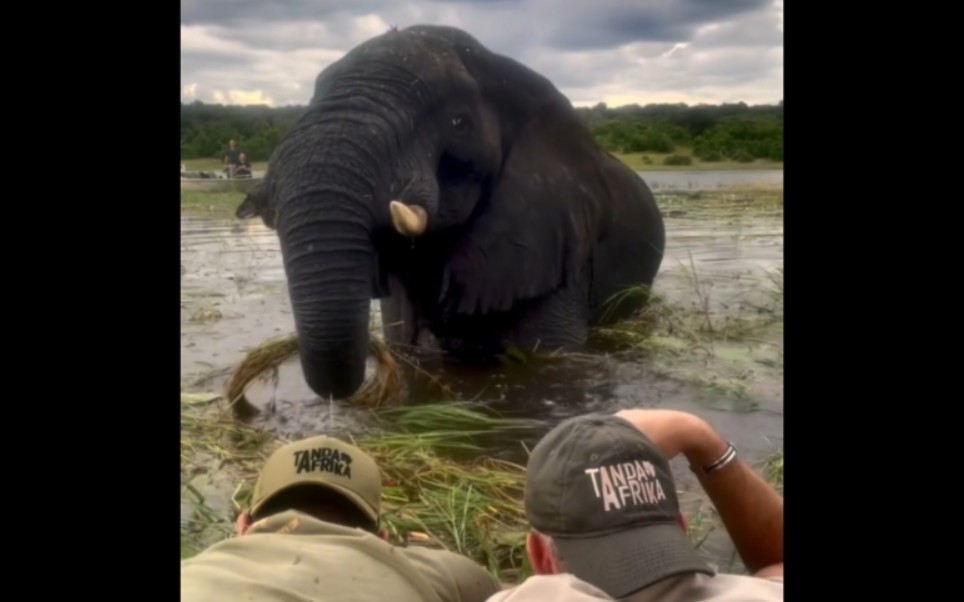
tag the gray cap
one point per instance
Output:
(605, 494)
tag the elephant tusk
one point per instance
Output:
(409, 221)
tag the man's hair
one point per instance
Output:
(319, 502)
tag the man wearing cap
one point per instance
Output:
(606, 521)
(312, 534)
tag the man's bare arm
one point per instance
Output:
(751, 509)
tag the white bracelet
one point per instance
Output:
(728, 456)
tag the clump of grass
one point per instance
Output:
(209, 430)
(773, 470)
(470, 506)
(731, 201)
(213, 441)
(636, 331)
(696, 328)
(187, 548)
(449, 421)
(264, 360)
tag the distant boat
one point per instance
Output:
(212, 181)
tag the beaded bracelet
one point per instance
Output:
(728, 456)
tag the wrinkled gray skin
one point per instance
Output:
(530, 226)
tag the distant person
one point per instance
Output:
(232, 158)
(243, 169)
(312, 534)
(607, 525)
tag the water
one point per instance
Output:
(709, 180)
(234, 297)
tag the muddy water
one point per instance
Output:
(234, 297)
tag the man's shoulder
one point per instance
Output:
(440, 558)
(456, 578)
(563, 587)
(722, 587)
(316, 566)
(730, 582)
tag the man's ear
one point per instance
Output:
(540, 556)
(243, 523)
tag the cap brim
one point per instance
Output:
(625, 562)
(353, 497)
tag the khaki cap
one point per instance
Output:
(324, 461)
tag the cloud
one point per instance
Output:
(241, 97)
(616, 51)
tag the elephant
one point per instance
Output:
(461, 189)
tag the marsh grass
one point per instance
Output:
(213, 443)
(700, 345)
(210, 204)
(441, 487)
(708, 342)
(218, 165)
(208, 429)
(655, 162)
(724, 203)
(386, 385)
(680, 329)
(772, 470)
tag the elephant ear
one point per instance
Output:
(520, 245)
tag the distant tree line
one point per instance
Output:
(727, 132)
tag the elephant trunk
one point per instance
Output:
(325, 222)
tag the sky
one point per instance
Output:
(613, 51)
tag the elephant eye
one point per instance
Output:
(460, 123)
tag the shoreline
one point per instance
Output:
(633, 162)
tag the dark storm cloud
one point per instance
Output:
(223, 12)
(605, 49)
(611, 23)
(750, 32)
(289, 36)
(208, 61)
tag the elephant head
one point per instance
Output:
(404, 140)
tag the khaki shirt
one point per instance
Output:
(294, 557)
(687, 588)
